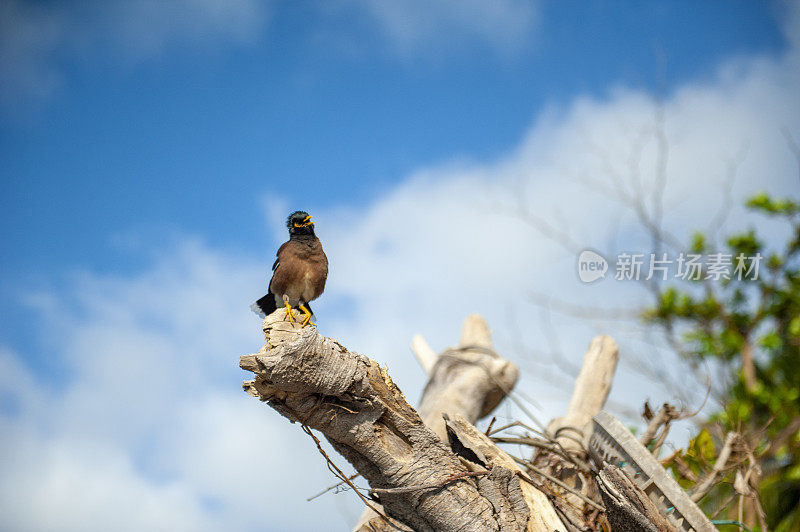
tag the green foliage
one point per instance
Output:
(764, 203)
(725, 321)
(695, 460)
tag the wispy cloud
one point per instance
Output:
(415, 27)
(146, 28)
(28, 36)
(149, 428)
(37, 38)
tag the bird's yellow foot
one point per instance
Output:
(288, 312)
(307, 316)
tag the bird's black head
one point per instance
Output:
(300, 224)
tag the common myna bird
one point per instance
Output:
(299, 272)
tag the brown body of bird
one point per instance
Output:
(299, 272)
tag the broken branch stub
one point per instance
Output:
(589, 394)
(469, 380)
(353, 402)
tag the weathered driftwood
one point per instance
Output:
(589, 393)
(628, 509)
(468, 382)
(543, 515)
(426, 356)
(353, 402)
(664, 417)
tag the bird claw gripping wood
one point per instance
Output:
(306, 316)
(288, 313)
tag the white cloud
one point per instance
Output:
(82, 484)
(441, 246)
(149, 429)
(413, 26)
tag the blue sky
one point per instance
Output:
(318, 107)
(150, 151)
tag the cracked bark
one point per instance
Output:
(628, 508)
(466, 383)
(353, 402)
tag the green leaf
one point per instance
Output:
(698, 243)
(703, 445)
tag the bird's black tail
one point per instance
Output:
(264, 306)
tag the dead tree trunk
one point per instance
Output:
(353, 402)
(467, 383)
(469, 380)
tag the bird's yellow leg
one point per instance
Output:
(288, 311)
(307, 317)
